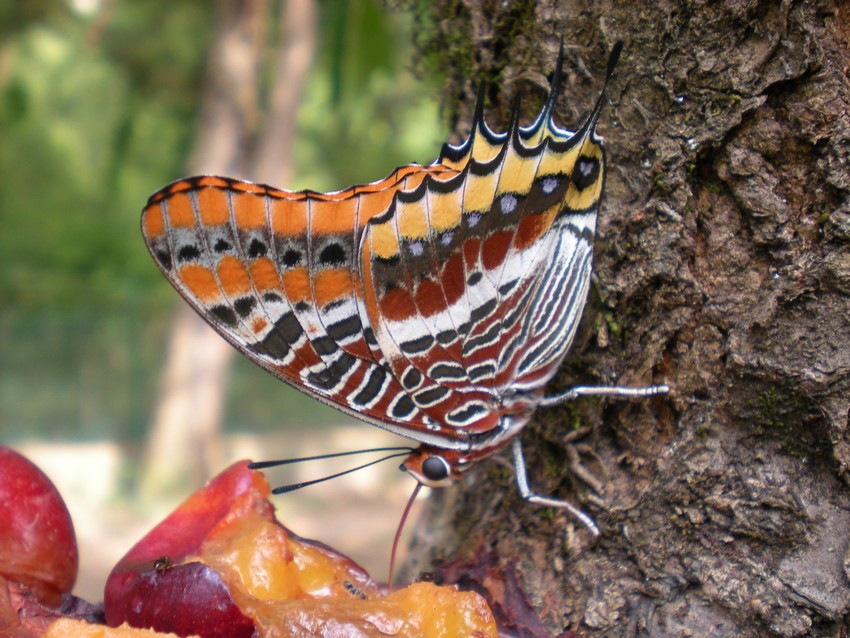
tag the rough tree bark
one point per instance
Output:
(722, 268)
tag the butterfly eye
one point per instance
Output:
(436, 469)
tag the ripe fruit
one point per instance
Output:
(221, 565)
(37, 544)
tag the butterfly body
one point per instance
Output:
(435, 303)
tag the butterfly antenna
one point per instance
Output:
(262, 465)
(399, 451)
(398, 534)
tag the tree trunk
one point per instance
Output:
(721, 268)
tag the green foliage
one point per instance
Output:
(98, 108)
(84, 141)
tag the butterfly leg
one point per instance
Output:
(528, 495)
(569, 395)
(603, 391)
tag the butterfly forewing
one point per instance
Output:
(426, 302)
(252, 262)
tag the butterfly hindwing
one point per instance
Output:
(475, 284)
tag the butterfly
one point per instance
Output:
(436, 303)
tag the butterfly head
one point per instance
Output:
(435, 467)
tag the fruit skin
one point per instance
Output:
(184, 599)
(150, 588)
(222, 500)
(38, 547)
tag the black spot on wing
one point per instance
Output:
(464, 414)
(291, 258)
(348, 327)
(411, 379)
(585, 172)
(369, 334)
(163, 257)
(483, 311)
(505, 288)
(481, 370)
(188, 253)
(333, 304)
(329, 377)
(289, 328)
(224, 315)
(446, 337)
(431, 395)
(273, 345)
(446, 372)
(244, 306)
(403, 408)
(417, 346)
(257, 248)
(325, 346)
(285, 332)
(486, 338)
(546, 191)
(333, 255)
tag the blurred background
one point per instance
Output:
(121, 396)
